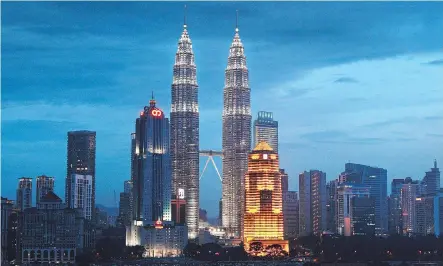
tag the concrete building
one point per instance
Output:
(266, 129)
(284, 180)
(24, 193)
(424, 215)
(51, 233)
(263, 218)
(80, 160)
(312, 202)
(81, 194)
(44, 185)
(290, 214)
(395, 214)
(160, 239)
(377, 179)
(124, 209)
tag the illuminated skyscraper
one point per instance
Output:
(81, 160)
(44, 185)
(185, 131)
(266, 129)
(152, 181)
(409, 192)
(263, 220)
(24, 193)
(312, 202)
(236, 143)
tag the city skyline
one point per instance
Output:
(333, 133)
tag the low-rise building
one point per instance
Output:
(160, 239)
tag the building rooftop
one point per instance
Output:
(263, 146)
(50, 196)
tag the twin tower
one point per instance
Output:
(184, 134)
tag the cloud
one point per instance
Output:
(433, 135)
(345, 80)
(435, 62)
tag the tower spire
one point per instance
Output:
(152, 101)
(184, 17)
(236, 21)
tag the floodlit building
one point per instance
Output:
(236, 137)
(160, 239)
(185, 130)
(264, 202)
(409, 193)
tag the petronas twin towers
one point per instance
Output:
(185, 134)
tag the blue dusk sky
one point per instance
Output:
(358, 82)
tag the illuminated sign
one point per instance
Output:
(156, 112)
(158, 224)
(181, 193)
(273, 156)
(265, 156)
(255, 156)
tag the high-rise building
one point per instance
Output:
(263, 220)
(290, 214)
(331, 198)
(266, 129)
(81, 194)
(44, 185)
(128, 188)
(6, 210)
(51, 233)
(424, 215)
(312, 202)
(124, 210)
(284, 180)
(134, 153)
(178, 210)
(363, 216)
(185, 130)
(24, 193)
(409, 193)
(432, 180)
(438, 213)
(346, 192)
(152, 182)
(236, 143)
(80, 160)
(395, 215)
(377, 179)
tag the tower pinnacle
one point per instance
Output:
(236, 21)
(184, 17)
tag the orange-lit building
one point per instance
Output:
(263, 200)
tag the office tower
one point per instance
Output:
(51, 233)
(290, 214)
(6, 210)
(395, 214)
(345, 219)
(127, 189)
(81, 194)
(178, 210)
(24, 193)
(363, 216)
(124, 210)
(331, 198)
(266, 129)
(80, 160)
(284, 179)
(44, 185)
(424, 215)
(220, 212)
(409, 193)
(432, 180)
(377, 180)
(236, 143)
(152, 182)
(438, 213)
(352, 177)
(185, 130)
(160, 239)
(263, 220)
(312, 202)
